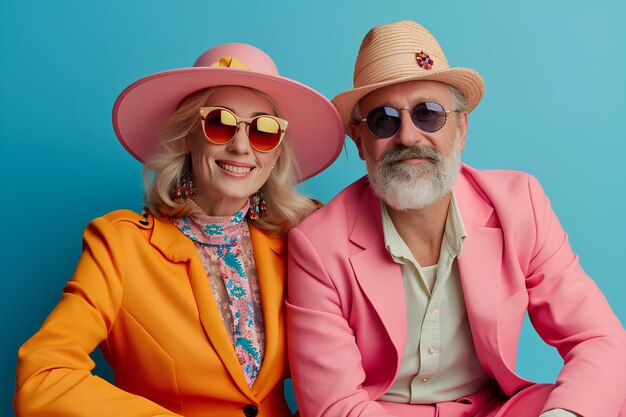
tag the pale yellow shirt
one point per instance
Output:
(439, 362)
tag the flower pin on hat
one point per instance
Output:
(424, 61)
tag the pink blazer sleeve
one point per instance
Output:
(570, 313)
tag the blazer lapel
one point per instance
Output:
(378, 275)
(179, 248)
(269, 257)
(480, 267)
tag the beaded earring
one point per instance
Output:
(185, 189)
(258, 207)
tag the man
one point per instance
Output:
(407, 291)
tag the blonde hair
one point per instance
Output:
(286, 207)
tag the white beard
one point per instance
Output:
(405, 187)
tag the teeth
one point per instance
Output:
(234, 169)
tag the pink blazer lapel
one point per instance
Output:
(378, 276)
(480, 266)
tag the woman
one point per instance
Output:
(186, 300)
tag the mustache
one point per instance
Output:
(401, 153)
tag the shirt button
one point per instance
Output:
(250, 410)
(425, 379)
(431, 350)
(433, 309)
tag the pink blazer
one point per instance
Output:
(346, 313)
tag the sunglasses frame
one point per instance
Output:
(282, 124)
(445, 112)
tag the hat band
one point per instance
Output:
(230, 62)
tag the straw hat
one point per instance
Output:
(400, 52)
(315, 129)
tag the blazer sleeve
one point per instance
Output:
(54, 368)
(570, 313)
(324, 358)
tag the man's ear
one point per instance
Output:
(355, 134)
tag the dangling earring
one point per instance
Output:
(258, 208)
(185, 189)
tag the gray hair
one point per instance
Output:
(459, 102)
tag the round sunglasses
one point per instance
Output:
(383, 122)
(220, 125)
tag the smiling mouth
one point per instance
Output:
(234, 169)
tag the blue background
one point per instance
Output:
(555, 106)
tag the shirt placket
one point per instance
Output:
(430, 336)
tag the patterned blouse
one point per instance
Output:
(225, 248)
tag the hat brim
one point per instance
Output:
(468, 81)
(315, 129)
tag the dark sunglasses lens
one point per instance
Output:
(430, 117)
(383, 122)
(220, 126)
(264, 133)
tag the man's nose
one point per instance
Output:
(408, 134)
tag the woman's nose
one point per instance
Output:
(240, 143)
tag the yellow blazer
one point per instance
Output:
(141, 293)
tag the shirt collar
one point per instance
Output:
(453, 236)
(455, 232)
(213, 230)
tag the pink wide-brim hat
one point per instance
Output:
(400, 52)
(315, 129)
